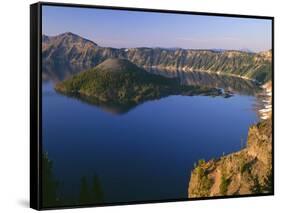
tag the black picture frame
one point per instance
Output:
(36, 100)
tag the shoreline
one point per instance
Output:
(266, 110)
(203, 71)
(245, 172)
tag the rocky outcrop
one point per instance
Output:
(248, 171)
(67, 54)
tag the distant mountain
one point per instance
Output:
(67, 54)
(218, 50)
(67, 40)
(240, 50)
(246, 50)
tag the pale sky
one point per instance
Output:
(125, 29)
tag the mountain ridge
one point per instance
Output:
(73, 53)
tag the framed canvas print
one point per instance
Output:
(134, 105)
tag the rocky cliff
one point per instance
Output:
(248, 171)
(67, 54)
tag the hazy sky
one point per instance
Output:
(115, 28)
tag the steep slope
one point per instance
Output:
(229, 62)
(68, 53)
(248, 171)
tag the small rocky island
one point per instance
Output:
(120, 82)
(248, 171)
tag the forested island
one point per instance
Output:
(120, 82)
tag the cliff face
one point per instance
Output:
(67, 54)
(248, 171)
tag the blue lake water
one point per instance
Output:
(146, 153)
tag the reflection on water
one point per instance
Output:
(111, 107)
(213, 80)
(145, 154)
(62, 72)
(229, 84)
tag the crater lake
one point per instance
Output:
(145, 152)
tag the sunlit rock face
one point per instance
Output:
(248, 171)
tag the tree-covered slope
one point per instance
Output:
(122, 82)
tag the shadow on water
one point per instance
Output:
(89, 193)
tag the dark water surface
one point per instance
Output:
(148, 152)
